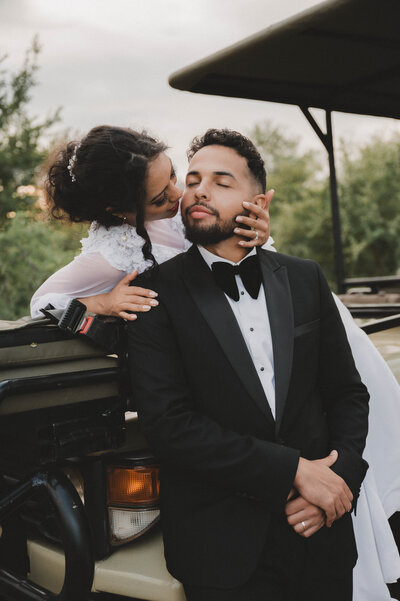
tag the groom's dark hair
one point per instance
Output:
(243, 146)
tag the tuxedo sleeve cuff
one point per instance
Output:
(352, 468)
(282, 468)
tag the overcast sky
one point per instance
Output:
(108, 61)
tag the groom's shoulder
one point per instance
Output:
(172, 268)
(162, 274)
(298, 269)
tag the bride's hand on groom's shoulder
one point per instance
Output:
(123, 300)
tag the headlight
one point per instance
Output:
(132, 501)
(126, 525)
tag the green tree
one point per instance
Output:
(370, 203)
(20, 151)
(30, 248)
(300, 210)
(293, 173)
(369, 195)
(30, 251)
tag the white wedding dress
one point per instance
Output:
(108, 255)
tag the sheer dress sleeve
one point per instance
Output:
(86, 275)
(107, 256)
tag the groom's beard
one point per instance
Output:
(211, 234)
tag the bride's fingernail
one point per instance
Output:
(153, 294)
(236, 230)
(154, 303)
(146, 307)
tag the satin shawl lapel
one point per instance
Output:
(280, 313)
(218, 314)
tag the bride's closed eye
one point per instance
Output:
(159, 202)
(163, 199)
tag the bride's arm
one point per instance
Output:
(104, 289)
(100, 286)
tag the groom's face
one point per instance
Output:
(217, 183)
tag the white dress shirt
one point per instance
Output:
(252, 317)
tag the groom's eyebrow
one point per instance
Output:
(163, 190)
(225, 173)
(214, 173)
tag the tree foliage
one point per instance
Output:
(370, 203)
(369, 196)
(30, 251)
(300, 213)
(20, 151)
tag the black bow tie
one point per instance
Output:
(249, 270)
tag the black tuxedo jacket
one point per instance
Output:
(226, 466)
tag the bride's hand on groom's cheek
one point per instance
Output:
(125, 300)
(257, 227)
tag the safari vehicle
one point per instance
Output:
(79, 490)
(78, 502)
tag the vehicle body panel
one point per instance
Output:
(136, 570)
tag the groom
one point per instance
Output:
(247, 392)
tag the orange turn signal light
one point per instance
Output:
(133, 486)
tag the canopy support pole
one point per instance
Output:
(327, 141)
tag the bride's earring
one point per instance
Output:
(124, 236)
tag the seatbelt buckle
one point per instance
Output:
(104, 331)
(74, 316)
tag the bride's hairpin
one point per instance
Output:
(71, 163)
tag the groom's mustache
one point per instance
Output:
(202, 204)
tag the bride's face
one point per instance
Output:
(162, 193)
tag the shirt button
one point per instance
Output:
(251, 329)
(261, 369)
(242, 292)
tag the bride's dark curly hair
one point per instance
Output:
(109, 171)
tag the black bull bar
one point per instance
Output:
(79, 563)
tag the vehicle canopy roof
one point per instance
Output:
(341, 55)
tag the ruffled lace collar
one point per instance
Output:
(121, 246)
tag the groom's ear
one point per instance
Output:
(261, 201)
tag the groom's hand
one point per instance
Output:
(304, 517)
(319, 485)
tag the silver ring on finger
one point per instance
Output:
(304, 526)
(257, 236)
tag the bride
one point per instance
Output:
(123, 183)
